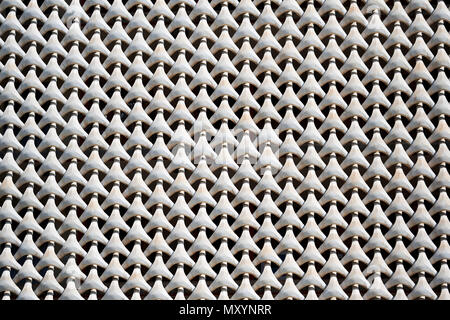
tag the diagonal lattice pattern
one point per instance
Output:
(224, 149)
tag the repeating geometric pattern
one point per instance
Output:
(224, 149)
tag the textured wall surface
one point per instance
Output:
(220, 149)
